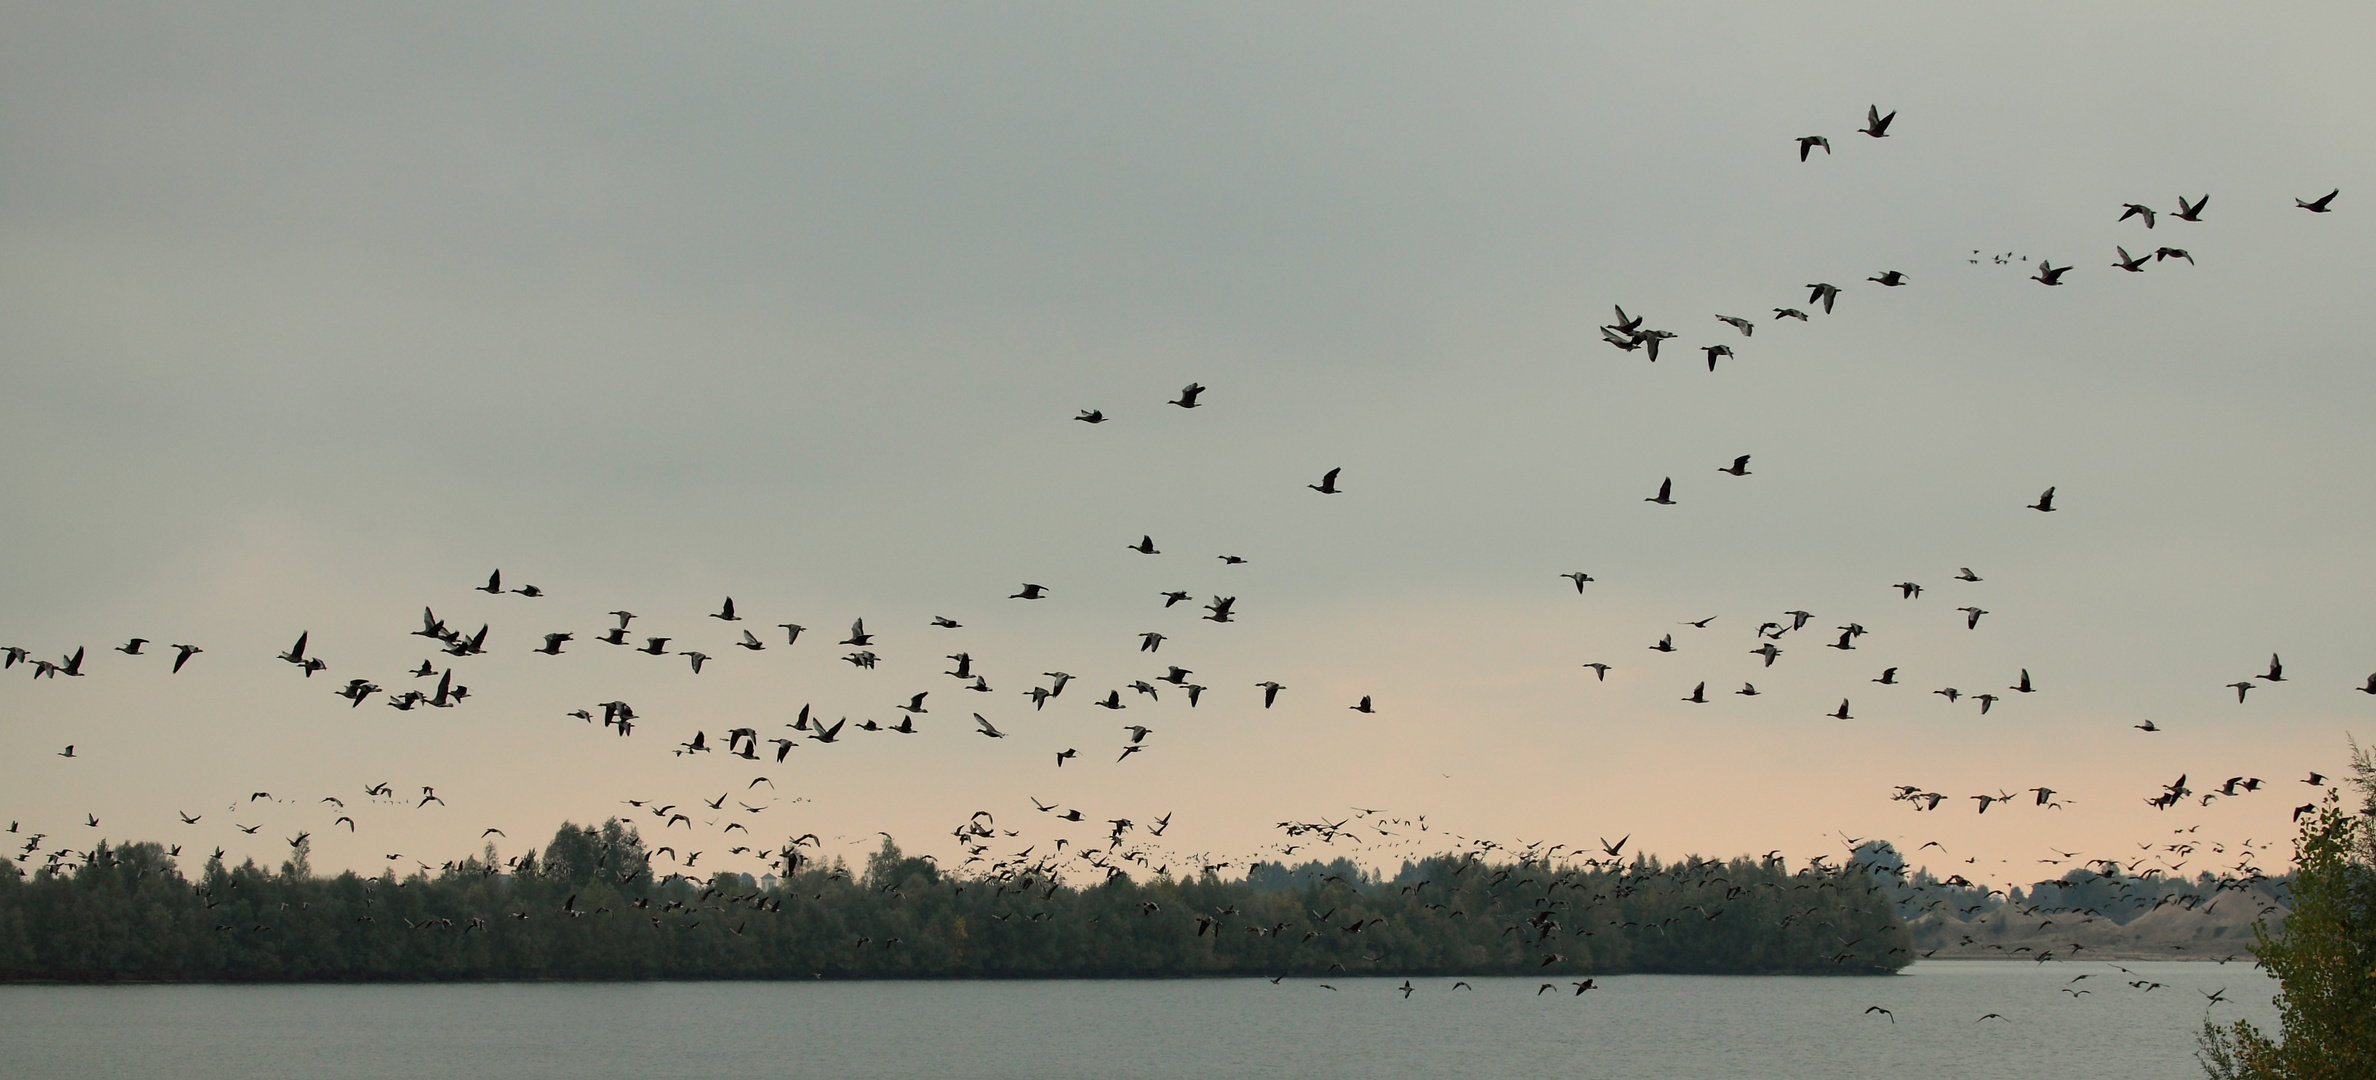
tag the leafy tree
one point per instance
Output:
(2324, 956)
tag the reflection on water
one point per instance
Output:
(1635, 1026)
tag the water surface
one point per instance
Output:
(1639, 1027)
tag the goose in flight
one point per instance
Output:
(1665, 644)
(987, 728)
(1966, 574)
(1715, 351)
(1972, 617)
(1270, 692)
(1187, 398)
(2276, 671)
(751, 641)
(2130, 210)
(1877, 126)
(1823, 292)
(697, 657)
(1888, 677)
(2048, 273)
(2023, 687)
(1666, 493)
(2134, 264)
(1840, 713)
(2193, 212)
(2318, 205)
(2045, 503)
(2371, 687)
(1327, 484)
(494, 585)
(1746, 327)
(1769, 650)
(1740, 466)
(654, 646)
(182, 655)
(1889, 279)
(1363, 706)
(1091, 416)
(2161, 253)
(1031, 592)
(1781, 313)
(132, 647)
(1985, 701)
(1699, 694)
(858, 635)
(1145, 546)
(1747, 690)
(1807, 144)
(552, 645)
(1601, 674)
(1579, 577)
(727, 612)
(1907, 589)
(296, 653)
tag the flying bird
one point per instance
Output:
(1807, 144)
(2045, 503)
(1187, 398)
(1825, 293)
(1877, 125)
(1327, 484)
(1666, 492)
(2193, 212)
(2130, 210)
(1740, 466)
(2048, 273)
(2318, 205)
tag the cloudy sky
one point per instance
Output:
(310, 318)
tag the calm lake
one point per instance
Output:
(1639, 1026)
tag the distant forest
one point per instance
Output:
(590, 908)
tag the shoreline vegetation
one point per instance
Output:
(590, 908)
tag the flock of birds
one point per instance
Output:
(727, 635)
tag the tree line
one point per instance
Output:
(590, 907)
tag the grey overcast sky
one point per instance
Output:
(310, 317)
